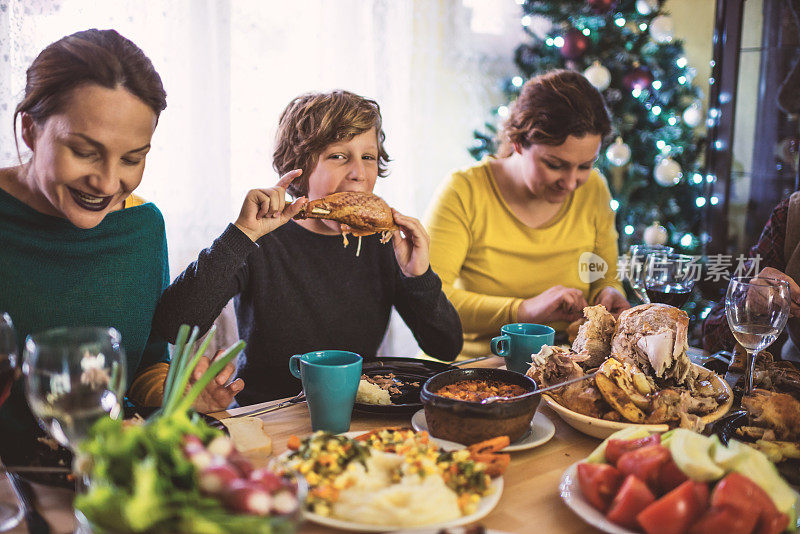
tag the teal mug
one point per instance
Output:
(330, 381)
(519, 341)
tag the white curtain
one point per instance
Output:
(229, 68)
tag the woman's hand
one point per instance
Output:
(558, 303)
(264, 210)
(216, 396)
(614, 301)
(411, 250)
(794, 289)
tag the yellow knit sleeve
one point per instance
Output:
(147, 388)
(606, 237)
(448, 223)
(134, 200)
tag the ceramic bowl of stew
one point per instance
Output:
(472, 405)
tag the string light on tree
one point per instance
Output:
(598, 76)
(618, 153)
(655, 234)
(667, 172)
(662, 29)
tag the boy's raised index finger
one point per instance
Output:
(289, 177)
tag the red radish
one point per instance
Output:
(268, 480)
(241, 463)
(200, 459)
(192, 445)
(215, 479)
(284, 502)
(221, 446)
(248, 497)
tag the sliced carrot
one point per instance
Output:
(496, 464)
(489, 445)
(293, 443)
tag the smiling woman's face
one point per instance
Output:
(89, 158)
(553, 172)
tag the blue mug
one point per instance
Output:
(330, 381)
(519, 341)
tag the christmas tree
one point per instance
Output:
(628, 51)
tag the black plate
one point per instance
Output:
(726, 428)
(406, 370)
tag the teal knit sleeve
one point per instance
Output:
(157, 348)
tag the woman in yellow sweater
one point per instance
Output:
(528, 235)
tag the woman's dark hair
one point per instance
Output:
(101, 57)
(552, 107)
(313, 121)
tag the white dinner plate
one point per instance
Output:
(542, 429)
(485, 505)
(570, 491)
(572, 496)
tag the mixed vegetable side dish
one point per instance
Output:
(360, 478)
(681, 481)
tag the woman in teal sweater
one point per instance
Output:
(76, 247)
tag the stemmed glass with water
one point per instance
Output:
(634, 270)
(757, 310)
(73, 377)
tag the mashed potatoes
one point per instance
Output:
(378, 500)
(370, 393)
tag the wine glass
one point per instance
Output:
(10, 515)
(73, 377)
(669, 278)
(757, 310)
(634, 269)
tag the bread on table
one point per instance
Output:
(249, 438)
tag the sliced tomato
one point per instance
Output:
(676, 511)
(633, 497)
(599, 483)
(739, 491)
(725, 520)
(615, 448)
(773, 524)
(742, 493)
(670, 477)
(645, 463)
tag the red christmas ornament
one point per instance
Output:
(639, 78)
(602, 6)
(575, 44)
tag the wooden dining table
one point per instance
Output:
(530, 501)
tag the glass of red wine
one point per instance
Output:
(10, 514)
(669, 278)
(634, 268)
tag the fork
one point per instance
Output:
(300, 397)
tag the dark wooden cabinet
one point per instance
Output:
(753, 140)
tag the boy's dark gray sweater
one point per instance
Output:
(298, 291)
